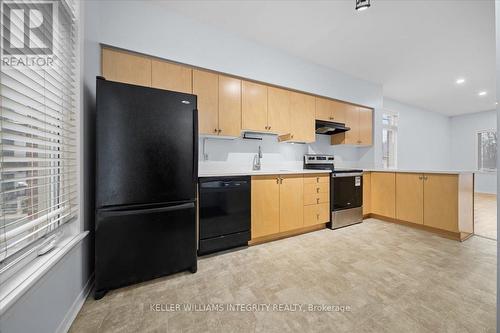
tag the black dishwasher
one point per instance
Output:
(224, 213)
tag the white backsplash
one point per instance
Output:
(238, 154)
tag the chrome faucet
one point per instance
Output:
(256, 160)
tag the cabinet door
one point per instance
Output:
(169, 76)
(352, 121)
(323, 109)
(410, 197)
(367, 193)
(278, 110)
(338, 110)
(126, 67)
(365, 126)
(291, 202)
(351, 117)
(302, 109)
(265, 196)
(316, 214)
(206, 87)
(384, 194)
(229, 106)
(253, 106)
(441, 201)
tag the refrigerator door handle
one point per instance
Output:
(146, 210)
(195, 146)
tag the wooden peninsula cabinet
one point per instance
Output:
(438, 202)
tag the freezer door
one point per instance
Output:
(138, 245)
(146, 145)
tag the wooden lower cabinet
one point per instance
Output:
(383, 186)
(284, 203)
(265, 211)
(316, 199)
(316, 214)
(441, 201)
(367, 193)
(410, 197)
(291, 202)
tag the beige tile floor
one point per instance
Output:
(485, 215)
(394, 278)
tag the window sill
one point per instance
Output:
(21, 282)
(487, 172)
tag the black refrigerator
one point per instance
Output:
(146, 180)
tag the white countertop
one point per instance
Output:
(221, 173)
(449, 172)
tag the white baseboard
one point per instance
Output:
(76, 306)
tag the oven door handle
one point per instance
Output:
(340, 175)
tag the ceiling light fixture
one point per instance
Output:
(362, 4)
(460, 81)
(482, 93)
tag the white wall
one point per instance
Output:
(424, 137)
(463, 147)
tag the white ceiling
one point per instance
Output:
(415, 48)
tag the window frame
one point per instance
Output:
(395, 130)
(27, 269)
(476, 151)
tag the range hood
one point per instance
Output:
(330, 127)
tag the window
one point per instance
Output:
(38, 132)
(487, 151)
(389, 139)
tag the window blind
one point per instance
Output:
(38, 124)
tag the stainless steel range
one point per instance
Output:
(346, 190)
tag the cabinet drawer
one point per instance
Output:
(316, 214)
(316, 198)
(316, 188)
(316, 178)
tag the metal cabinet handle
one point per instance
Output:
(317, 216)
(317, 200)
(317, 179)
(215, 130)
(219, 130)
(421, 177)
(317, 189)
(425, 177)
(269, 127)
(277, 180)
(281, 180)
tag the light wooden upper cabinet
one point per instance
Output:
(278, 110)
(122, 66)
(254, 106)
(302, 114)
(291, 202)
(352, 121)
(206, 87)
(323, 109)
(265, 210)
(441, 201)
(330, 110)
(360, 122)
(410, 197)
(365, 126)
(383, 193)
(339, 110)
(169, 76)
(229, 106)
